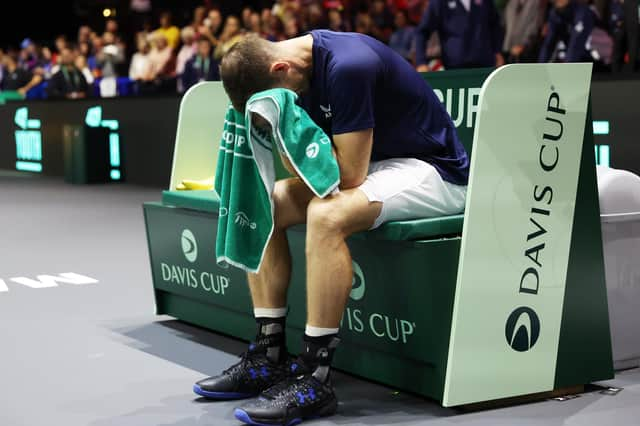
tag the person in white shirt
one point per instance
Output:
(140, 67)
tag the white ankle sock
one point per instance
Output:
(269, 312)
(312, 331)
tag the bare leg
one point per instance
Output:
(329, 272)
(269, 286)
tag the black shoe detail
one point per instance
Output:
(247, 378)
(298, 398)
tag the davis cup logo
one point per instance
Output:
(313, 149)
(189, 245)
(522, 329)
(357, 284)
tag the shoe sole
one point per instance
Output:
(243, 416)
(221, 396)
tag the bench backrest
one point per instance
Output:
(204, 106)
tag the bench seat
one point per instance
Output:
(406, 230)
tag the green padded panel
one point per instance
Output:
(418, 229)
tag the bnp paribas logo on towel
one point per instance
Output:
(189, 245)
(381, 325)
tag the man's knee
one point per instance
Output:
(325, 216)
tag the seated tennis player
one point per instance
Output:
(399, 157)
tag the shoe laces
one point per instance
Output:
(294, 382)
(252, 357)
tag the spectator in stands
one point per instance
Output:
(28, 55)
(162, 60)
(246, 17)
(382, 20)
(46, 63)
(68, 82)
(211, 27)
(255, 25)
(199, 16)
(187, 51)
(201, 67)
(81, 64)
(625, 28)
(415, 8)
(265, 15)
(110, 56)
(402, 38)
(273, 29)
(336, 21)
(523, 22)
(15, 78)
(84, 34)
(364, 24)
(59, 43)
(231, 34)
(314, 17)
(170, 32)
(569, 27)
(96, 49)
(291, 27)
(84, 48)
(111, 26)
(469, 31)
(140, 68)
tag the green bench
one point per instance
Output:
(440, 307)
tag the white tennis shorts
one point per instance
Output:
(409, 188)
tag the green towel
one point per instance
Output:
(245, 176)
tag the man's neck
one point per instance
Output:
(299, 52)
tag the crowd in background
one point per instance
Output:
(164, 56)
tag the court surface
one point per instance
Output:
(96, 355)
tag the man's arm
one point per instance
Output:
(35, 80)
(353, 151)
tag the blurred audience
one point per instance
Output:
(430, 34)
(16, 78)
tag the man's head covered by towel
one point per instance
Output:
(399, 158)
(255, 64)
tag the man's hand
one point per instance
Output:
(423, 68)
(353, 151)
(499, 60)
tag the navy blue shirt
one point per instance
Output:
(358, 83)
(569, 31)
(469, 38)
